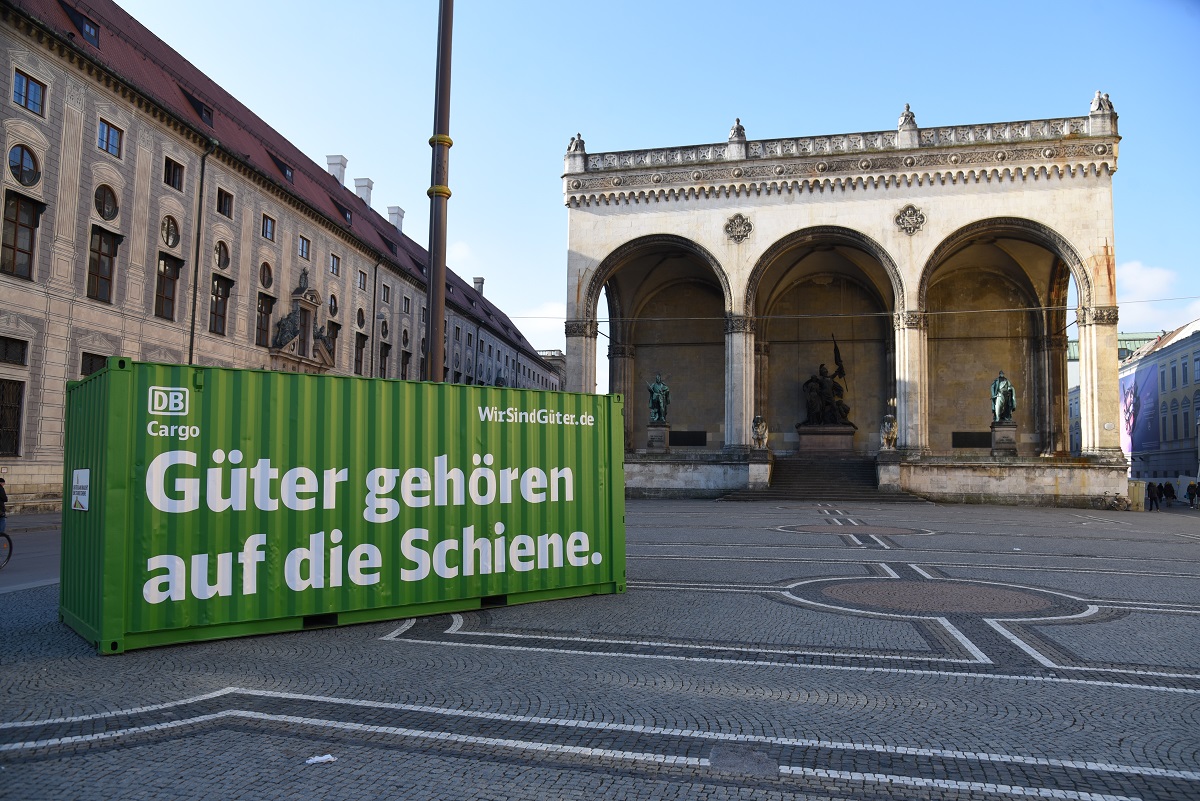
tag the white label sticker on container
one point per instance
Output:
(80, 484)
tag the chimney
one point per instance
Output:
(396, 215)
(362, 187)
(337, 167)
(479, 285)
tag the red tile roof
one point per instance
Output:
(146, 63)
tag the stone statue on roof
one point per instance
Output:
(576, 144)
(1101, 103)
(738, 131)
(907, 118)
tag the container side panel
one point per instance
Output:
(258, 497)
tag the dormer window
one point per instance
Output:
(286, 169)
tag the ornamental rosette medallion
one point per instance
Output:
(738, 228)
(910, 219)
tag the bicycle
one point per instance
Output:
(5, 549)
(1116, 503)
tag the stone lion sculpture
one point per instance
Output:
(759, 432)
(887, 433)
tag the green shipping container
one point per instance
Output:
(203, 502)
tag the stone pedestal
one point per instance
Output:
(1004, 439)
(887, 470)
(839, 438)
(658, 438)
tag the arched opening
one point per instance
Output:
(810, 291)
(666, 299)
(997, 297)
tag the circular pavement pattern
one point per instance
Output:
(938, 597)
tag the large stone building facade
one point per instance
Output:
(149, 214)
(933, 257)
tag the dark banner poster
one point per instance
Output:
(1139, 410)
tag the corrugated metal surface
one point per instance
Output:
(192, 558)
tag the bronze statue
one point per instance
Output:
(660, 399)
(824, 397)
(1004, 399)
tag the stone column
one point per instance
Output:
(65, 275)
(912, 381)
(762, 376)
(620, 379)
(581, 356)
(1099, 385)
(739, 381)
(1055, 429)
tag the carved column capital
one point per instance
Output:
(1097, 315)
(911, 319)
(582, 328)
(739, 324)
(616, 351)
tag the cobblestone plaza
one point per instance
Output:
(850, 650)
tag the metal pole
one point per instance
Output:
(439, 194)
(213, 144)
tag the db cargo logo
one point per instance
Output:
(168, 400)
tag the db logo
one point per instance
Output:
(168, 400)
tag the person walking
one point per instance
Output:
(1169, 492)
(1191, 495)
(1152, 497)
(3, 508)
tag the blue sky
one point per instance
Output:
(356, 78)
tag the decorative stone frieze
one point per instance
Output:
(616, 351)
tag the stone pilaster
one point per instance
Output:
(581, 356)
(912, 376)
(739, 380)
(621, 361)
(1099, 385)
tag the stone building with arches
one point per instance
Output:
(933, 257)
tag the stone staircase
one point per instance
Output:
(823, 477)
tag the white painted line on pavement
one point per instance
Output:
(922, 573)
(854, 539)
(964, 641)
(882, 544)
(950, 784)
(404, 626)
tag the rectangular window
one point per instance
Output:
(407, 305)
(14, 351)
(362, 280)
(1174, 378)
(387, 294)
(1162, 381)
(335, 264)
(173, 173)
(12, 393)
(218, 307)
(91, 362)
(1183, 369)
(405, 363)
(385, 351)
(1174, 426)
(360, 347)
(164, 292)
(262, 324)
(470, 339)
(268, 227)
(102, 260)
(424, 314)
(224, 203)
(457, 334)
(29, 93)
(304, 248)
(20, 224)
(1187, 433)
(109, 138)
